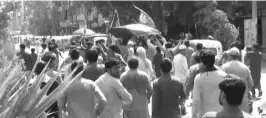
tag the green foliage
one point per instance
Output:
(5, 8)
(217, 23)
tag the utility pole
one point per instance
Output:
(254, 21)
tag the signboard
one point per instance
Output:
(250, 31)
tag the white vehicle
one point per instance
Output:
(212, 45)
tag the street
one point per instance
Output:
(188, 102)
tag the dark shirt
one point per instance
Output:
(157, 59)
(168, 94)
(93, 72)
(254, 58)
(27, 59)
(34, 57)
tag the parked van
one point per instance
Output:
(213, 45)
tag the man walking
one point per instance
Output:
(188, 52)
(232, 92)
(157, 60)
(254, 57)
(25, 56)
(199, 47)
(206, 91)
(234, 66)
(168, 94)
(138, 85)
(180, 66)
(113, 90)
(93, 70)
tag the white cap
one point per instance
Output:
(210, 37)
(130, 43)
(182, 47)
(234, 51)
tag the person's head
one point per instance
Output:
(51, 47)
(141, 52)
(73, 43)
(92, 56)
(22, 46)
(166, 65)
(168, 45)
(234, 53)
(53, 40)
(199, 46)
(74, 54)
(112, 67)
(89, 44)
(133, 63)
(77, 65)
(39, 67)
(256, 47)
(182, 49)
(186, 43)
(232, 91)
(130, 43)
(50, 57)
(44, 46)
(207, 58)
(43, 39)
(32, 50)
(158, 49)
(237, 44)
(130, 51)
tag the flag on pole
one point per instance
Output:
(145, 18)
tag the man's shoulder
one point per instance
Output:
(210, 115)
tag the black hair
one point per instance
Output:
(47, 57)
(199, 46)
(158, 49)
(51, 47)
(32, 50)
(74, 54)
(256, 46)
(39, 67)
(22, 46)
(92, 55)
(111, 62)
(234, 89)
(133, 63)
(237, 44)
(186, 43)
(74, 65)
(208, 58)
(168, 45)
(44, 46)
(166, 65)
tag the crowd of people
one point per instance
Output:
(155, 76)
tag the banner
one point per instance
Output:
(145, 18)
(250, 31)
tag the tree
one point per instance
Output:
(217, 23)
